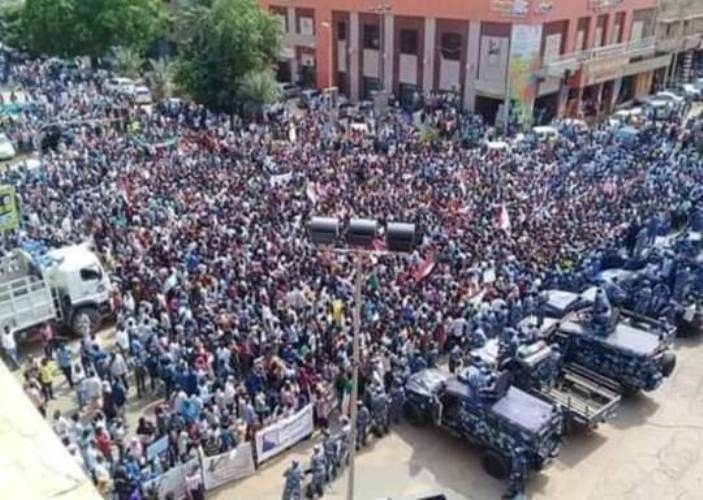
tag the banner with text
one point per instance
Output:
(172, 483)
(525, 53)
(275, 438)
(227, 467)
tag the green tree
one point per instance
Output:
(11, 30)
(129, 62)
(50, 27)
(221, 41)
(256, 89)
(160, 77)
(92, 27)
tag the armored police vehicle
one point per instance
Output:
(623, 289)
(539, 368)
(497, 417)
(632, 350)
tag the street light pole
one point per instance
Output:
(361, 234)
(358, 282)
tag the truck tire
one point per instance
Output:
(668, 363)
(495, 464)
(79, 316)
(416, 416)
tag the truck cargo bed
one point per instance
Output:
(585, 400)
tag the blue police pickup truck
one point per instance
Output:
(539, 369)
(493, 414)
(615, 347)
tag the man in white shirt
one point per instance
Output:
(122, 340)
(9, 345)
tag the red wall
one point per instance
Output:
(462, 10)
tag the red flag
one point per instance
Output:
(425, 267)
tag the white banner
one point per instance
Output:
(229, 466)
(275, 438)
(172, 482)
(281, 179)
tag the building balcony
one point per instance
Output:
(576, 60)
(679, 43)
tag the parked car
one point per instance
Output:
(7, 150)
(545, 132)
(120, 84)
(631, 116)
(142, 95)
(288, 90)
(691, 91)
(670, 96)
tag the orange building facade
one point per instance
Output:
(562, 57)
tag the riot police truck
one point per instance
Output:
(67, 286)
(497, 417)
(632, 351)
(538, 369)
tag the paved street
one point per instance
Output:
(652, 450)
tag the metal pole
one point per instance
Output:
(356, 316)
(506, 101)
(382, 55)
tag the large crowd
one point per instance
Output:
(225, 310)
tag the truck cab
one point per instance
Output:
(83, 286)
(499, 418)
(68, 286)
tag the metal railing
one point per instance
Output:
(573, 60)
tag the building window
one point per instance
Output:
(371, 38)
(619, 28)
(306, 26)
(341, 31)
(369, 86)
(408, 42)
(451, 46)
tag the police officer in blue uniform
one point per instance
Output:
(293, 488)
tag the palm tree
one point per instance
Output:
(129, 62)
(256, 89)
(160, 77)
(192, 23)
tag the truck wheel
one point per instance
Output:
(668, 363)
(494, 464)
(80, 317)
(416, 416)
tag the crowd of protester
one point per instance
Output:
(225, 311)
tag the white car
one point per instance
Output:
(120, 85)
(7, 150)
(141, 95)
(631, 116)
(545, 132)
(691, 91)
(668, 95)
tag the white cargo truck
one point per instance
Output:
(69, 286)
